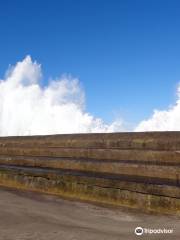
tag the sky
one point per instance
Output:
(125, 53)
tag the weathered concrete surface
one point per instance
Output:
(147, 140)
(135, 170)
(34, 216)
(100, 188)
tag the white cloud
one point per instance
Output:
(26, 108)
(166, 120)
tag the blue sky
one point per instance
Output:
(125, 53)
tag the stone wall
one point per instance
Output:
(134, 170)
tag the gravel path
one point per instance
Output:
(34, 216)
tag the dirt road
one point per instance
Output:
(34, 216)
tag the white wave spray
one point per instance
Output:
(27, 108)
(166, 120)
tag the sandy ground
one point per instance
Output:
(34, 216)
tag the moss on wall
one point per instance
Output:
(135, 170)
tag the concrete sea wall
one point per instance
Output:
(134, 170)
